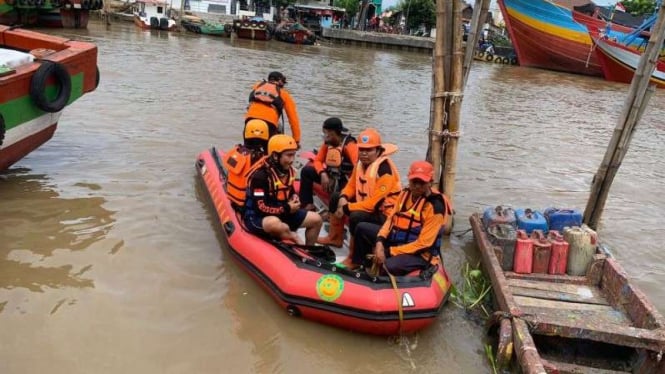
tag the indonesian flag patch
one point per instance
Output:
(258, 193)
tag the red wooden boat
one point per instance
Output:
(255, 28)
(306, 282)
(620, 62)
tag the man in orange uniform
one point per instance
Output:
(272, 206)
(268, 100)
(411, 236)
(240, 160)
(333, 164)
(372, 188)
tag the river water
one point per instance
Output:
(109, 259)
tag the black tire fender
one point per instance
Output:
(505, 60)
(38, 86)
(2, 130)
(481, 55)
(513, 60)
(489, 57)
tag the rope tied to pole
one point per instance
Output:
(445, 134)
(454, 95)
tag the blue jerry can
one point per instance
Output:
(498, 215)
(529, 220)
(557, 218)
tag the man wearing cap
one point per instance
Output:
(411, 236)
(372, 188)
(268, 100)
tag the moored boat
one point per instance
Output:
(200, 26)
(36, 86)
(561, 323)
(620, 62)
(546, 35)
(255, 28)
(294, 33)
(307, 283)
(153, 14)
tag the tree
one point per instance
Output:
(351, 7)
(418, 12)
(639, 7)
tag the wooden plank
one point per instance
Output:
(597, 330)
(523, 301)
(570, 279)
(614, 317)
(567, 368)
(575, 292)
(559, 296)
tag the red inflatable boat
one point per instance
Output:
(307, 283)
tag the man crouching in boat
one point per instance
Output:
(411, 236)
(272, 205)
(241, 160)
(372, 188)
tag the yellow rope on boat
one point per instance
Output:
(400, 311)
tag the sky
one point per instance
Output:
(385, 4)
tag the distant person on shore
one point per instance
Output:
(268, 100)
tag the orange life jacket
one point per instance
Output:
(406, 224)
(238, 163)
(366, 182)
(267, 93)
(278, 188)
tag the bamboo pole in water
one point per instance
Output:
(480, 10)
(438, 97)
(455, 96)
(634, 105)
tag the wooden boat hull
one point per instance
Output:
(23, 123)
(303, 37)
(319, 291)
(600, 320)
(546, 36)
(145, 24)
(251, 29)
(619, 63)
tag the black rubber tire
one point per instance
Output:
(505, 60)
(97, 77)
(481, 55)
(38, 86)
(2, 130)
(513, 61)
(489, 57)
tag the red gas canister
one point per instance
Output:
(523, 253)
(559, 258)
(542, 250)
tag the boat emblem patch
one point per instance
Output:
(441, 281)
(329, 287)
(407, 300)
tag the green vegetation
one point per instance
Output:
(490, 358)
(474, 291)
(639, 7)
(351, 7)
(418, 12)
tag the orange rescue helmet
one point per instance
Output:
(369, 138)
(281, 143)
(257, 129)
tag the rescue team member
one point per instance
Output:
(411, 236)
(372, 188)
(333, 164)
(240, 160)
(268, 100)
(272, 205)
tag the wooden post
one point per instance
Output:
(633, 108)
(438, 97)
(181, 14)
(480, 10)
(455, 96)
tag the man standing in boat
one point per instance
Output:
(272, 207)
(372, 188)
(332, 166)
(268, 100)
(411, 236)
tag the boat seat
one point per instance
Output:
(13, 59)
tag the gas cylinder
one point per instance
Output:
(523, 253)
(559, 257)
(542, 250)
(582, 242)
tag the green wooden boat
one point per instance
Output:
(201, 26)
